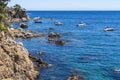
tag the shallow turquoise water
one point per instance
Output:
(91, 52)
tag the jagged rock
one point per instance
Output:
(15, 63)
(40, 62)
(52, 36)
(23, 25)
(17, 14)
(26, 34)
(55, 38)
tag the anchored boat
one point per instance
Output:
(81, 24)
(58, 23)
(109, 29)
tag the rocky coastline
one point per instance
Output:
(16, 63)
(17, 14)
(24, 34)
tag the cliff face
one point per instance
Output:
(14, 60)
(17, 14)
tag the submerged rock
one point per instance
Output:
(60, 42)
(50, 39)
(74, 77)
(41, 53)
(51, 28)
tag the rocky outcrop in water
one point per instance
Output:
(39, 62)
(55, 38)
(25, 34)
(23, 26)
(15, 63)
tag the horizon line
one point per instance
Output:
(72, 10)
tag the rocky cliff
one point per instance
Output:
(15, 63)
(17, 14)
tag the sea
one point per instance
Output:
(91, 52)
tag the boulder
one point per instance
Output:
(24, 19)
(59, 42)
(54, 35)
(23, 25)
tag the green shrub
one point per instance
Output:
(2, 27)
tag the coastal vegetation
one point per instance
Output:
(3, 4)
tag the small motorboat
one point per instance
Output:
(58, 23)
(37, 20)
(109, 29)
(117, 69)
(81, 24)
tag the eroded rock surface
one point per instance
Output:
(25, 34)
(15, 63)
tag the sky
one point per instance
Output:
(68, 4)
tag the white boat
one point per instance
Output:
(109, 29)
(37, 20)
(58, 23)
(81, 24)
(117, 69)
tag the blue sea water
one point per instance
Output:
(91, 52)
